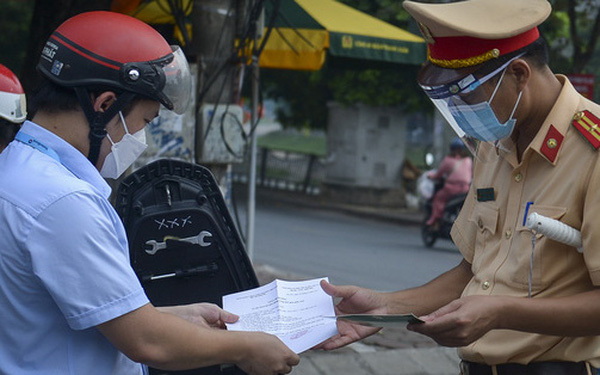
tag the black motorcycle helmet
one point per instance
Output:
(113, 51)
(457, 145)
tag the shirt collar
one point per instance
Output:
(548, 139)
(557, 122)
(70, 157)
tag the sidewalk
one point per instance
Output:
(388, 362)
(393, 351)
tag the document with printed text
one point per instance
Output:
(294, 311)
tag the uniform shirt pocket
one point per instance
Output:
(545, 252)
(485, 217)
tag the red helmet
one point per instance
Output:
(12, 97)
(99, 50)
(107, 49)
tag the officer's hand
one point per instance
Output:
(203, 314)
(460, 322)
(266, 355)
(355, 300)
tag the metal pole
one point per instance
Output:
(251, 209)
(213, 43)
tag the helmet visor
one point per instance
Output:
(177, 90)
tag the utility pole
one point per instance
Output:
(212, 48)
(217, 24)
(251, 203)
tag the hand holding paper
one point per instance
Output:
(354, 300)
(296, 312)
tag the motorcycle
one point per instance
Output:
(431, 233)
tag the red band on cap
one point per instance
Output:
(464, 47)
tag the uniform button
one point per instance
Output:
(508, 233)
(485, 285)
(480, 223)
(518, 177)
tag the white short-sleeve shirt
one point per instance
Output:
(64, 261)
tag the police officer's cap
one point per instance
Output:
(462, 35)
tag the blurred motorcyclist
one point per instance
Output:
(456, 171)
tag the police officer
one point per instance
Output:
(518, 303)
(70, 302)
(12, 106)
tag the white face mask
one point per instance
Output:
(123, 153)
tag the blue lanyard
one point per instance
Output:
(31, 141)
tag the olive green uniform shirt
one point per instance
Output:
(560, 174)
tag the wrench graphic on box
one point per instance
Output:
(199, 239)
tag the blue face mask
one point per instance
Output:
(479, 120)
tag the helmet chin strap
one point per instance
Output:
(98, 120)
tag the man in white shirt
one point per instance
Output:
(70, 302)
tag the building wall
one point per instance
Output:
(366, 145)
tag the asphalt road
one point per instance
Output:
(349, 249)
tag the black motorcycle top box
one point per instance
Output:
(184, 246)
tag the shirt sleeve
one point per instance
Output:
(590, 235)
(463, 231)
(79, 252)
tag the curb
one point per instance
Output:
(400, 215)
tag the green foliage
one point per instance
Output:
(15, 18)
(378, 87)
(572, 32)
(305, 93)
(390, 11)
(556, 32)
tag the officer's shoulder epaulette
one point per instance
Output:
(589, 126)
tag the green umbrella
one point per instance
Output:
(305, 32)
